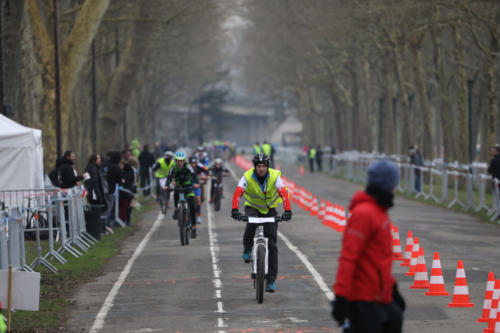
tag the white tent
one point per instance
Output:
(21, 156)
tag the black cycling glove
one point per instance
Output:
(287, 215)
(235, 214)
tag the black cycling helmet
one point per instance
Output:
(193, 159)
(261, 158)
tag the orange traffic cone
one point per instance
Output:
(322, 210)
(461, 291)
(437, 287)
(342, 219)
(314, 206)
(328, 220)
(421, 278)
(487, 298)
(396, 245)
(301, 169)
(414, 258)
(408, 249)
(494, 308)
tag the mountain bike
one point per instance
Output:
(260, 254)
(183, 216)
(217, 191)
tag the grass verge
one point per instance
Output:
(56, 289)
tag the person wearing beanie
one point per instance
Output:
(366, 295)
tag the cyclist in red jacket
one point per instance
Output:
(365, 291)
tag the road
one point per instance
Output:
(156, 285)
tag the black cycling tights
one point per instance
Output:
(191, 204)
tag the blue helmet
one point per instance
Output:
(181, 156)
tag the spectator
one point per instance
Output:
(494, 167)
(319, 158)
(417, 161)
(312, 157)
(146, 161)
(365, 290)
(130, 159)
(68, 176)
(127, 195)
(96, 185)
(332, 153)
(157, 151)
(114, 178)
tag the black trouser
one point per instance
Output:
(145, 181)
(311, 164)
(270, 231)
(373, 317)
(191, 204)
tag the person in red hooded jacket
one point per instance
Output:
(365, 291)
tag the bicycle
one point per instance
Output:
(260, 254)
(217, 191)
(183, 216)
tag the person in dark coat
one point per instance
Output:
(366, 294)
(127, 195)
(68, 175)
(319, 158)
(146, 161)
(494, 167)
(114, 178)
(417, 160)
(96, 185)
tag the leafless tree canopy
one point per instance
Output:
(362, 74)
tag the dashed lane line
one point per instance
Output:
(302, 257)
(217, 282)
(108, 302)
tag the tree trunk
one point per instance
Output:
(463, 119)
(388, 123)
(428, 137)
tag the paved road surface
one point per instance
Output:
(205, 287)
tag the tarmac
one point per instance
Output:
(156, 285)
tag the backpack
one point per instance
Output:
(55, 177)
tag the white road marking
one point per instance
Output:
(108, 302)
(214, 250)
(317, 277)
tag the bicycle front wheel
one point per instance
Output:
(181, 221)
(261, 274)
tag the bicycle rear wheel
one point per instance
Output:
(181, 222)
(260, 276)
(217, 199)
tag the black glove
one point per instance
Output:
(340, 309)
(287, 215)
(235, 214)
(398, 299)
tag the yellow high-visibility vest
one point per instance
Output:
(266, 149)
(164, 169)
(256, 197)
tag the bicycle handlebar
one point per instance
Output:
(183, 189)
(254, 219)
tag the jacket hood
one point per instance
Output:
(65, 160)
(361, 197)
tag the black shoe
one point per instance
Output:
(175, 214)
(193, 233)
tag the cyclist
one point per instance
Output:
(202, 173)
(217, 170)
(184, 176)
(202, 156)
(263, 190)
(161, 169)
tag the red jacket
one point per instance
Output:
(365, 262)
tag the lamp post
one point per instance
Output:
(470, 86)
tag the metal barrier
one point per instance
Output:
(467, 187)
